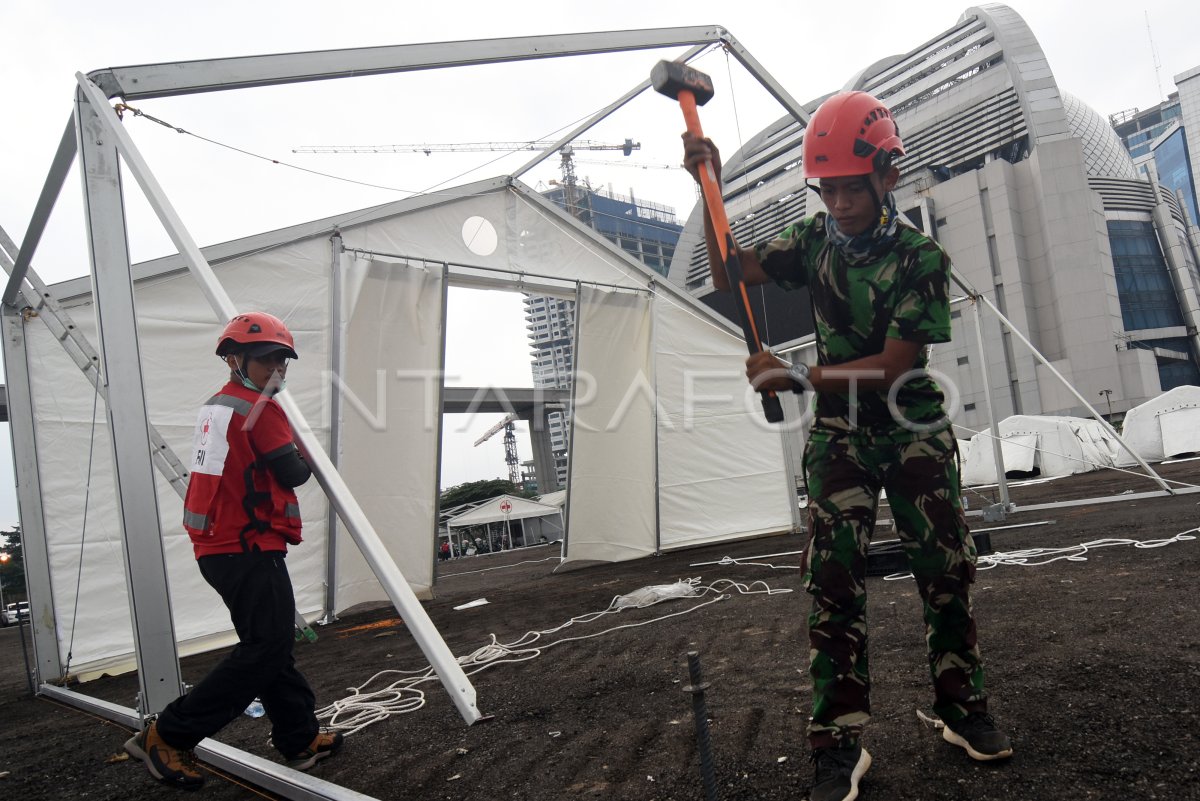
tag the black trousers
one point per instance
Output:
(258, 592)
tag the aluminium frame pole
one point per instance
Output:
(570, 429)
(241, 72)
(653, 287)
(600, 115)
(443, 661)
(787, 434)
(51, 189)
(444, 292)
(271, 776)
(23, 433)
(157, 653)
(336, 363)
(1096, 414)
(997, 451)
(773, 87)
(722, 37)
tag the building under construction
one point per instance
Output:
(646, 231)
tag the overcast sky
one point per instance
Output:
(1103, 56)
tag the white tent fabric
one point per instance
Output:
(964, 450)
(1054, 446)
(719, 459)
(1162, 427)
(611, 483)
(493, 511)
(178, 335)
(717, 472)
(393, 347)
(556, 498)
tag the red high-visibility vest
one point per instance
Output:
(234, 503)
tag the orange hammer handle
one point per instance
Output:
(708, 177)
(716, 212)
(715, 204)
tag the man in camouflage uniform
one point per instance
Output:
(880, 296)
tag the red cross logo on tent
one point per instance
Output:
(505, 506)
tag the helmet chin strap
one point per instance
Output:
(881, 161)
(241, 375)
(274, 386)
(880, 219)
(876, 200)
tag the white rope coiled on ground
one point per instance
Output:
(1036, 557)
(365, 706)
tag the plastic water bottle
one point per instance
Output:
(255, 710)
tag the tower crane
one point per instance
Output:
(510, 446)
(566, 152)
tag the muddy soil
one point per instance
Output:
(1093, 669)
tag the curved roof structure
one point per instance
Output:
(1103, 153)
(980, 90)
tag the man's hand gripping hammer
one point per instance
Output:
(693, 88)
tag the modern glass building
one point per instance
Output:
(1156, 139)
(1037, 201)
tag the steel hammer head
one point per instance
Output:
(670, 77)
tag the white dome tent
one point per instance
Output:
(1163, 427)
(1045, 445)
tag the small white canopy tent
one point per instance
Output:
(1164, 426)
(494, 511)
(1049, 445)
(668, 446)
(538, 520)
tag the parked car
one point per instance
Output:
(13, 612)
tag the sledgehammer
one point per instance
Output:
(693, 88)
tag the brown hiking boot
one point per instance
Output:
(325, 744)
(170, 765)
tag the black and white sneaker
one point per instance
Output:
(836, 772)
(978, 735)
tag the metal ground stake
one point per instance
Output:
(700, 712)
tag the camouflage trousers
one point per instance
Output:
(845, 472)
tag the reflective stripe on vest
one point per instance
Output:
(239, 405)
(191, 520)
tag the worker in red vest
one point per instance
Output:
(241, 513)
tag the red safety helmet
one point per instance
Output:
(852, 133)
(256, 334)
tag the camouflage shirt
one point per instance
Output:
(903, 294)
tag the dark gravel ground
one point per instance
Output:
(1094, 669)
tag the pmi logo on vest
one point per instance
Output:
(210, 444)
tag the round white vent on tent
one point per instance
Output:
(479, 236)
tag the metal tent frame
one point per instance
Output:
(95, 135)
